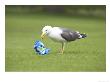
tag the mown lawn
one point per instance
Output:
(21, 31)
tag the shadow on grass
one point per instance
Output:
(71, 52)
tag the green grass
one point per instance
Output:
(83, 55)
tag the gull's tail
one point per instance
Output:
(82, 36)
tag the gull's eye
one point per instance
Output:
(45, 30)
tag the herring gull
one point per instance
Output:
(61, 35)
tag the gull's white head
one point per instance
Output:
(45, 31)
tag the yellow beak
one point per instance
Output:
(42, 35)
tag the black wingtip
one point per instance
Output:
(83, 35)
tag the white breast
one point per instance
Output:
(55, 35)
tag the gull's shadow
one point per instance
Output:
(74, 52)
(70, 52)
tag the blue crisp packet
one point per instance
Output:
(40, 48)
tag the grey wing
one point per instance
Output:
(69, 35)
